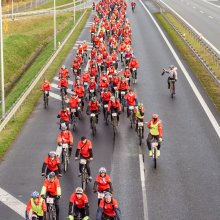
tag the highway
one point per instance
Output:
(203, 15)
(185, 185)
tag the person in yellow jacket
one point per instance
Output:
(38, 207)
(156, 130)
(51, 188)
(139, 115)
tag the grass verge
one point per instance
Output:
(205, 79)
(9, 134)
(39, 62)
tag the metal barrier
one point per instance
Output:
(12, 111)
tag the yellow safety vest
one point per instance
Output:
(154, 128)
(138, 115)
(37, 208)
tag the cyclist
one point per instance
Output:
(74, 103)
(51, 164)
(64, 116)
(172, 71)
(65, 137)
(80, 91)
(139, 115)
(105, 96)
(51, 188)
(84, 149)
(63, 84)
(79, 205)
(122, 86)
(133, 4)
(92, 87)
(86, 79)
(64, 72)
(133, 65)
(155, 126)
(93, 107)
(45, 87)
(108, 208)
(103, 182)
(131, 100)
(127, 74)
(38, 207)
(114, 106)
(103, 84)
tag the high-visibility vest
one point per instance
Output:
(138, 115)
(37, 208)
(154, 128)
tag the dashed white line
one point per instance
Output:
(194, 7)
(13, 203)
(202, 12)
(210, 16)
(55, 96)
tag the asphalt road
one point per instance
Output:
(202, 15)
(185, 185)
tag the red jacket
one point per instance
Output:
(79, 203)
(109, 208)
(52, 164)
(93, 106)
(73, 102)
(84, 148)
(106, 96)
(131, 98)
(79, 91)
(122, 86)
(65, 137)
(115, 105)
(133, 63)
(103, 182)
(85, 77)
(45, 86)
(64, 115)
(63, 83)
(64, 72)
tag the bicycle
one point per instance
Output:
(154, 148)
(51, 209)
(122, 95)
(105, 113)
(65, 156)
(73, 117)
(62, 93)
(46, 99)
(134, 75)
(93, 123)
(131, 115)
(84, 175)
(140, 131)
(114, 122)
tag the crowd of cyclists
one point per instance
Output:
(100, 87)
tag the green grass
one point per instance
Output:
(205, 79)
(14, 127)
(24, 39)
(23, 83)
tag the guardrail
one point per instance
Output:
(12, 111)
(204, 43)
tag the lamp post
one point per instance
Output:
(74, 12)
(54, 18)
(12, 9)
(2, 63)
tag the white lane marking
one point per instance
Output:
(197, 32)
(74, 48)
(202, 12)
(190, 81)
(80, 42)
(55, 87)
(210, 16)
(194, 7)
(217, 6)
(13, 203)
(55, 96)
(144, 191)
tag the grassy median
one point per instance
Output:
(14, 127)
(212, 89)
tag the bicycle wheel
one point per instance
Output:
(50, 213)
(83, 181)
(171, 89)
(140, 136)
(45, 103)
(93, 126)
(54, 214)
(65, 162)
(155, 157)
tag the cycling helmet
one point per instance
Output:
(104, 78)
(122, 78)
(51, 175)
(140, 105)
(94, 99)
(52, 154)
(78, 78)
(155, 116)
(102, 170)
(63, 127)
(171, 67)
(35, 194)
(63, 67)
(79, 190)
(83, 138)
(112, 98)
(107, 195)
(84, 41)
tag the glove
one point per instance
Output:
(71, 217)
(27, 218)
(43, 196)
(86, 218)
(58, 197)
(43, 174)
(160, 139)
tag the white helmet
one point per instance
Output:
(102, 170)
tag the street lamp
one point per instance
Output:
(54, 18)
(2, 63)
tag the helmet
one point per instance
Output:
(63, 127)
(94, 99)
(78, 78)
(84, 41)
(52, 154)
(171, 67)
(140, 104)
(79, 190)
(63, 67)
(104, 78)
(51, 175)
(107, 195)
(74, 94)
(102, 170)
(155, 116)
(122, 78)
(83, 138)
(35, 194)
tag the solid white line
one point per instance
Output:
(144, 192)
(13, 203)
(197, 32)
(190, 81)
(217, 6)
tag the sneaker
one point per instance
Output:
(150, 153)
(158, 153)
(90, 179)
(79, 174)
